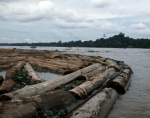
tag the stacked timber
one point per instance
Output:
(87, 87)
(49, 85)
(104, 79)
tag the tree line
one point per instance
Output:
(116, 41)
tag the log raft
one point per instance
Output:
(98, 90)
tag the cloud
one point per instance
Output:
(28, 39)
(102, 3)
(21, 12)
(138, 26)
(139, 29)
(43, 10)
(54, 20)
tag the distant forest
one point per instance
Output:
(117, 41)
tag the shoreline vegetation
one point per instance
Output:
(116, 41)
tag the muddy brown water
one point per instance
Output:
(136, 102)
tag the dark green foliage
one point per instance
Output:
(21, 79)
(117, 41)
(52, 114)
(71, 85)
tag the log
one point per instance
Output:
(55, 55)
(92, 73)
(9, 83)
(17, 66)
(66, 66)
(121, 81)
(87, 87)
(49, 85)
(3, 62)
(31, 72)
(29, 107)
(50, 67)
(98, 106)
(112, 64)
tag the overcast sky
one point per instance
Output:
(66, 20)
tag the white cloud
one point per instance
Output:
(72, 19)
(28, 39)
(138, 26)
(103, 3)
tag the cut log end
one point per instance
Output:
(118, 87)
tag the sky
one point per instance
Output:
(70, 20)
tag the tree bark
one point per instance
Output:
(50, 67)
(98, 106)
(120, 82)
(49, 85)
(112, 64)
(3, 62)
(58, 64)
(87, 87)
(29, 107)
(9, 83)
(92, 73)
(31, 72)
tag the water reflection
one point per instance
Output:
(48, 76)
(2, 73)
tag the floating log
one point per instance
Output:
(49, 85)
(92, 73)
(31, 72)
(98, 106)
(51, 67)
(112, 64)
(58, 64)
(29, 107)
(87, 87)
(3, 62)
(120, 82)
(8, 83)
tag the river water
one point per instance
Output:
(136, 102)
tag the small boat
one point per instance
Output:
(32, 46)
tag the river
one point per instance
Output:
(136, 102)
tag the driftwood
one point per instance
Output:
(87, 87)
(9, 83)
(120, 82)
(92, 73)
(49, 85)
(98, 106)
(29, 107)
(112, 64)
(31, 72)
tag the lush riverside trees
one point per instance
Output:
(117, 41)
